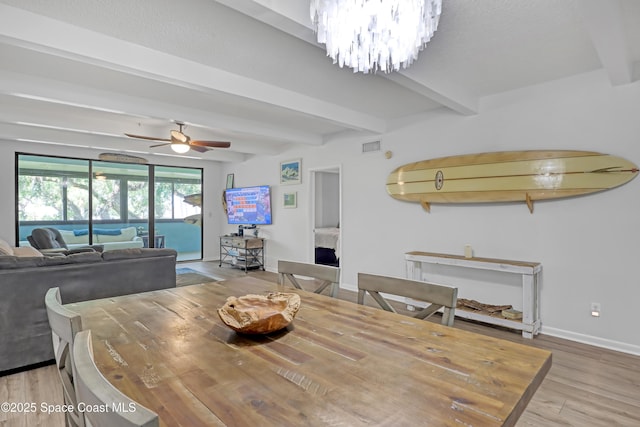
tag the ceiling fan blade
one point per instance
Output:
(198, 148)
(149, 138)
(211, 144)
(159, 145)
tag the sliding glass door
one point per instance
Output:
(122, 206)
(178, 207)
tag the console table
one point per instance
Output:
(242, 252)
(531, 280)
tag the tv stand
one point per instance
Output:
(243, 252)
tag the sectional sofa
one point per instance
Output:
(25, 336)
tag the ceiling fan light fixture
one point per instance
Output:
(182, 143)
(180, 147)
(180, 137)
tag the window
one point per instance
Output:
(178, 200)
(52, 189)
(55, 192)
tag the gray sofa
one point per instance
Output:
(25, 336)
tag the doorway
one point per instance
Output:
(326, 215)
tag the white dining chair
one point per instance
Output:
(438, 296)
(326, 274)
(96, 391)
(65, 324)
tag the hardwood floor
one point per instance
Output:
(586, 386)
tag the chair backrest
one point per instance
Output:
(95, 390)
(65, 324)
(326, 274)
(47, 238)
(439, 296)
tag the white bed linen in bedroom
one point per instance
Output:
(328, 237)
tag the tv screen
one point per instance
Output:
(249, 205)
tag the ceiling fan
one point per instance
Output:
(181, 143)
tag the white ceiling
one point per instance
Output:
(84, 72)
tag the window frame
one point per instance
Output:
(124, 183)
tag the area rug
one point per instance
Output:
(187, 276)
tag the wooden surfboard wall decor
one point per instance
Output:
(508, 176)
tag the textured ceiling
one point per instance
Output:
(248, 71)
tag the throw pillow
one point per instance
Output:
(5, 248)
(20, 262)
(84, 257)
(24, 251)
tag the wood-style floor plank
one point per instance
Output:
(37, 386)
(586, 386)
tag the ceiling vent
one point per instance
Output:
(369, 147)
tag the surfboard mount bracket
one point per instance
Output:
(529, 203)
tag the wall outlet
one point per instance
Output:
(595, 309)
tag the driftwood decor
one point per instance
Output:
(260, 314)
(476, 305)
(508, 176)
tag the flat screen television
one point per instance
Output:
(249, 205)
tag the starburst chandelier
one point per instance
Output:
(371, 35)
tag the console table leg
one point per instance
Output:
(529, 309)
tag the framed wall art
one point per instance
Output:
(229, 180)
(290, 200)
(291, 172)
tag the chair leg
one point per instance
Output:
(334, 290)
(447, 316)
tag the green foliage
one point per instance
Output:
(41, 198)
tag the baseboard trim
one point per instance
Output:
(349, 287)
(592, 340)
(568, 335)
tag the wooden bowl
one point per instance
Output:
(259, 314)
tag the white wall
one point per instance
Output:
(588, 245)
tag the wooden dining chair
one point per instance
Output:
(326, 274)
(65, 324)
(95, 390)
(438, 296)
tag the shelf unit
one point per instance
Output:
(242, 252)
(531, 280)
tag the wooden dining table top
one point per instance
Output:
(336, 364)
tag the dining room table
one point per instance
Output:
(336, 364)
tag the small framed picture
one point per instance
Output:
(290, 172)
(290, 200)
(229, 180)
